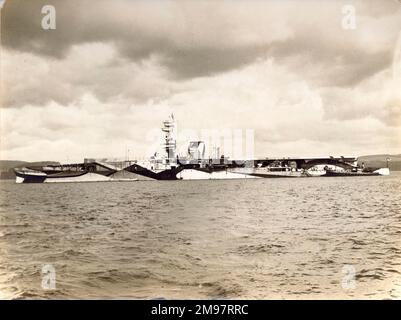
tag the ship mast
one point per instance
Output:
(170, 143)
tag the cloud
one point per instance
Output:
(33, 80)
(201, 37)
(108, 75)
(288, 115)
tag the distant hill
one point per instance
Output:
(7, 166)
(379, 161)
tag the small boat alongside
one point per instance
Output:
(357, 173)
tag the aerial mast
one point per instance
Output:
(170, 142)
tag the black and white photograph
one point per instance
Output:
(200, 150)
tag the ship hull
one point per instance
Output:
(138, 172)
(350, 174)
(193, 174)
(22, 177)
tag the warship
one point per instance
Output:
(194, 165)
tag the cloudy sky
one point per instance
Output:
(296, 72)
